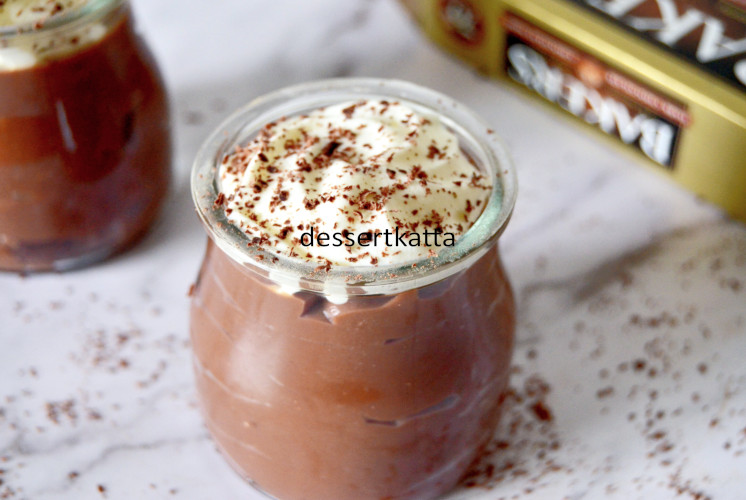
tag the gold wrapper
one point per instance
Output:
(663, 79)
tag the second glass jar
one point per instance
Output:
(85, 148)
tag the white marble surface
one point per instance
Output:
(631, 294)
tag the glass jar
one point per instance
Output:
(357, 382)
(85, 147)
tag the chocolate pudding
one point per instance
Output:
(84, 134)
(357, 370)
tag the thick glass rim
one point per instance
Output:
(82, 15)
(295, 274)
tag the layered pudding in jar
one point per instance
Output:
(84, 133)
(352, 323)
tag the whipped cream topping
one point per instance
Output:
(34, 12)
(385, 185)
(30, 15)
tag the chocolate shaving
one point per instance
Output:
(432, 152)
(349, 110)
(330, 148)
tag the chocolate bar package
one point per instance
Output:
(663, 79)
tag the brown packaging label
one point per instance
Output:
(709, 33)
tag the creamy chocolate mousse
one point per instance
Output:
(84, 133)
(316, 380)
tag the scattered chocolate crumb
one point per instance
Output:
(541, 411)
(55, 410)
(605, 392)
(686, 488)
(194, 118)
(525, 441)
(657, 435)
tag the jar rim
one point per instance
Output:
(85, 13)
(341, 281)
